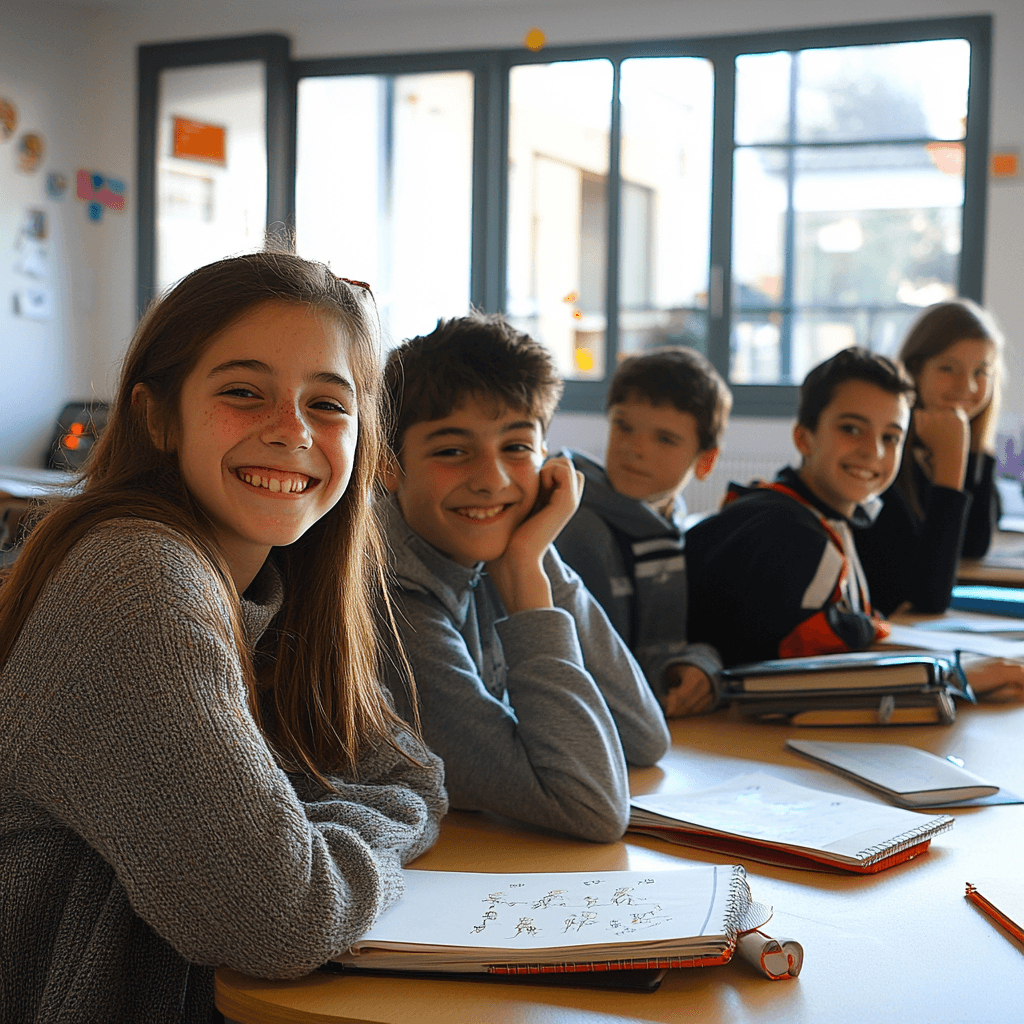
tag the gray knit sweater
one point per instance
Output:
(146, 833)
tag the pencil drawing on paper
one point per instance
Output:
(619, 910)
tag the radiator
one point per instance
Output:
(704, 496)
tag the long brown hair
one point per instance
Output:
(935, 330)
(316, 697)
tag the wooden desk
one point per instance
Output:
(1003, 566)
(901, 946)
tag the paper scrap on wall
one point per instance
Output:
(34, 302)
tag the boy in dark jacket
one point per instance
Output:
(775, 573)
(667, 410)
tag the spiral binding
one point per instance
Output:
(905, 841)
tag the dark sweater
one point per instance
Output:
(763, 573)
(907, 558)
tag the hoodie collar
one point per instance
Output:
(861, 518)
(635, 518)
(419, 566)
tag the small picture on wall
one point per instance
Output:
(56, 184)
(196, 140)
(33, 302)
(8, 118)
(31, 150)
(34, 225)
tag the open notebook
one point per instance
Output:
(562, 921)
(759, 817)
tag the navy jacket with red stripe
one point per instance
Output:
(768, 578)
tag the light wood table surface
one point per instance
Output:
(1003, 566)
(902, 946)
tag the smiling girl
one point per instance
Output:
(197, 765)
(942, 505)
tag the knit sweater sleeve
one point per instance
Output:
(132, 729)
(547, 751)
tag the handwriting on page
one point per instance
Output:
(596, 906)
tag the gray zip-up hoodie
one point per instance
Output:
(632, 560)
(535, 714)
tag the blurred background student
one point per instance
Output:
(942, 505)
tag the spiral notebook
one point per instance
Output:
(568, 921)
(763, 818)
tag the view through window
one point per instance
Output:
(848, 197)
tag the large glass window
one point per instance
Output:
(848, 199)
(765, 199)
(665, 202)
(559, 130)
(211, 173)
(383, 189)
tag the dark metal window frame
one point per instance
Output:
(490, 155)
(275, 53)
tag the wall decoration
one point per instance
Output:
(1005, 164)
(56, 184)
(195, 140)
(8, 119)
(34, 225)
(31, 245)
(34, 302)
(99, 192)
(535, 39)
(32, 260)
(31, 150)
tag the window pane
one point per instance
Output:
(762, 97)
(759, 223)
(899, 90)
(665, 204)
(559, 124)
(211, 175)
(384, 189)
(836, 244)
(877, 224)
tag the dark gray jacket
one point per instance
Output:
(632, 560)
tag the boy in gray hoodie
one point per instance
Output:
(525, 689)
(667, 409)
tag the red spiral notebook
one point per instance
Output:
(763, 818)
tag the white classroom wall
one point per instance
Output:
(86, 58)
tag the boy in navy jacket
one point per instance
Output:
(775, 573)
(667, 410)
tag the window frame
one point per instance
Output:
(489, 230)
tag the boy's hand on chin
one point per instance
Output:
(519, 573)
(687, 691)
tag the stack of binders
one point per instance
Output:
(861, 688)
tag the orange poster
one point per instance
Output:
(194, 140)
